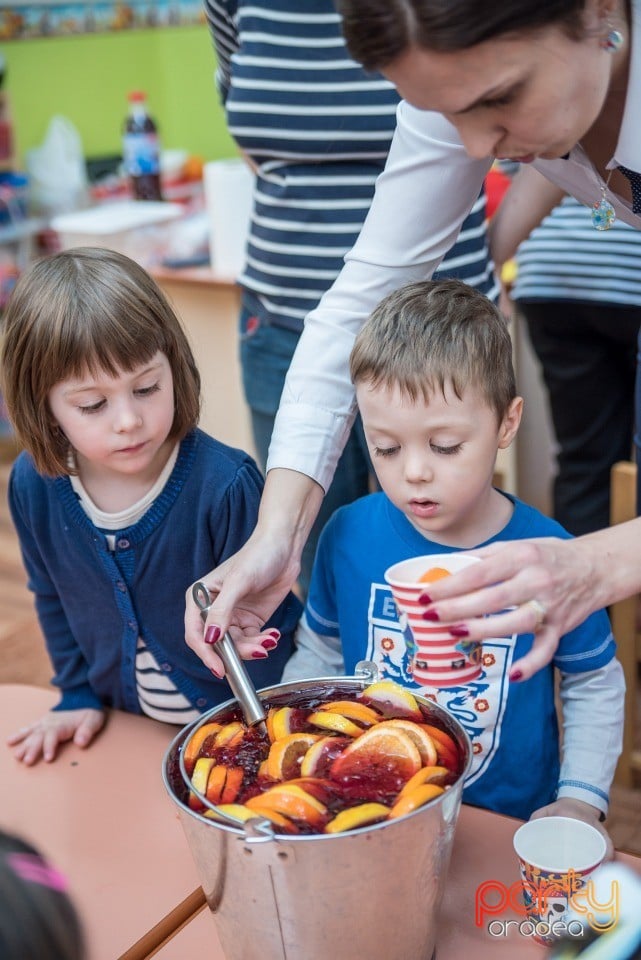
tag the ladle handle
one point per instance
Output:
(239, 681)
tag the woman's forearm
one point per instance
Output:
(288, 507)
(615, 557)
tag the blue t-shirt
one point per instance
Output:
(513, 727)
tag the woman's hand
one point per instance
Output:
(41, 738)
(578, 810)
(250, 585)
(546, 587)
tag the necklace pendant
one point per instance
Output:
(603, 215)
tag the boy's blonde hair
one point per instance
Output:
(432, 333)
(86, 310)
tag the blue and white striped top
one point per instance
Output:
(318, 128)
(565, 258)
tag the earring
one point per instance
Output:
(613, 41)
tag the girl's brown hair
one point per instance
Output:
(378, 31)
(86, 310)
(434, 333)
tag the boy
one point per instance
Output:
(436, 391)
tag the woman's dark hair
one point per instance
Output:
(38, 920)
(378, 31)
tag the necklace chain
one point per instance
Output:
(603, 215)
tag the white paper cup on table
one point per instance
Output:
(229, 186)
(441, 660)
(556, 855)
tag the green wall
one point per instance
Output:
(87, 78)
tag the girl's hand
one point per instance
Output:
(577, 810)
(41, 738)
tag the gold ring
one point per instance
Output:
(540, 611)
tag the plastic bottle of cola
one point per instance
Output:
(141, 149)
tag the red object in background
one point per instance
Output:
(496, 184)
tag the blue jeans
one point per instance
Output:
(265, 354)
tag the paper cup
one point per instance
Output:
(556, 857)
(440, 660)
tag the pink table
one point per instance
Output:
(103, 817)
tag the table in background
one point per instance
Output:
(482, 851)
(103, 817)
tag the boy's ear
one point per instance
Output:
(510, 423)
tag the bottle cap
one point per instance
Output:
(136, 96)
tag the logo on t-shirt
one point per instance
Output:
(479, 706)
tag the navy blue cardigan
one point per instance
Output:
(93, 604)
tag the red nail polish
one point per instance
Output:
(212, 635)
(458, 631)
(274, 633)
(259, 655)
(425, 598)
(515, 676)
(430, 615)
(268, 644)
(219, 676)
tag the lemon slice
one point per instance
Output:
(199, 778)
(391, 699)
(334, 721)
(238, 810)
(286, 755)
(358, 816)
(230, 735)
(353, 710)
(279, 722)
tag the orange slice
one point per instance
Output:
(278, 722)
(433, 574)
(358, 816)
(199, 778)
(284, 823)
(353, 710)
(382, 751)
(415, 799)
(334, 721)
(445, 746)
(233, 783)
(230, 735)
(319, 758)
(419, 736)
(192, 749)
(426, 775)
(392, 700)
(286, 755)
(216, 783)
(292, 801)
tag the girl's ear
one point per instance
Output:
(510, 423)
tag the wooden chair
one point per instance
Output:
(623, 615)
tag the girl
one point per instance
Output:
(118, 499)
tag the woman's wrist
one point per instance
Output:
(289, 506)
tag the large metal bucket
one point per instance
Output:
(370, 894)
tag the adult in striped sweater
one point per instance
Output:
(316, 128)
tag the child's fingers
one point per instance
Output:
(90, 725)
(30, 749)
(18, 736)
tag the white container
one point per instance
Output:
(137, 229)
(229, 186)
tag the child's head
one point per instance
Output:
(37, 919)
(434, 333)
(436, 390)
(86, 311)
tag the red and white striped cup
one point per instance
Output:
(440, 660)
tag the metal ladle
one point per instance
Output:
(235, 670)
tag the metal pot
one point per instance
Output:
(372, 894)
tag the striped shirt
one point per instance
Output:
(565, 258)
(318, 129)
(157, 695)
